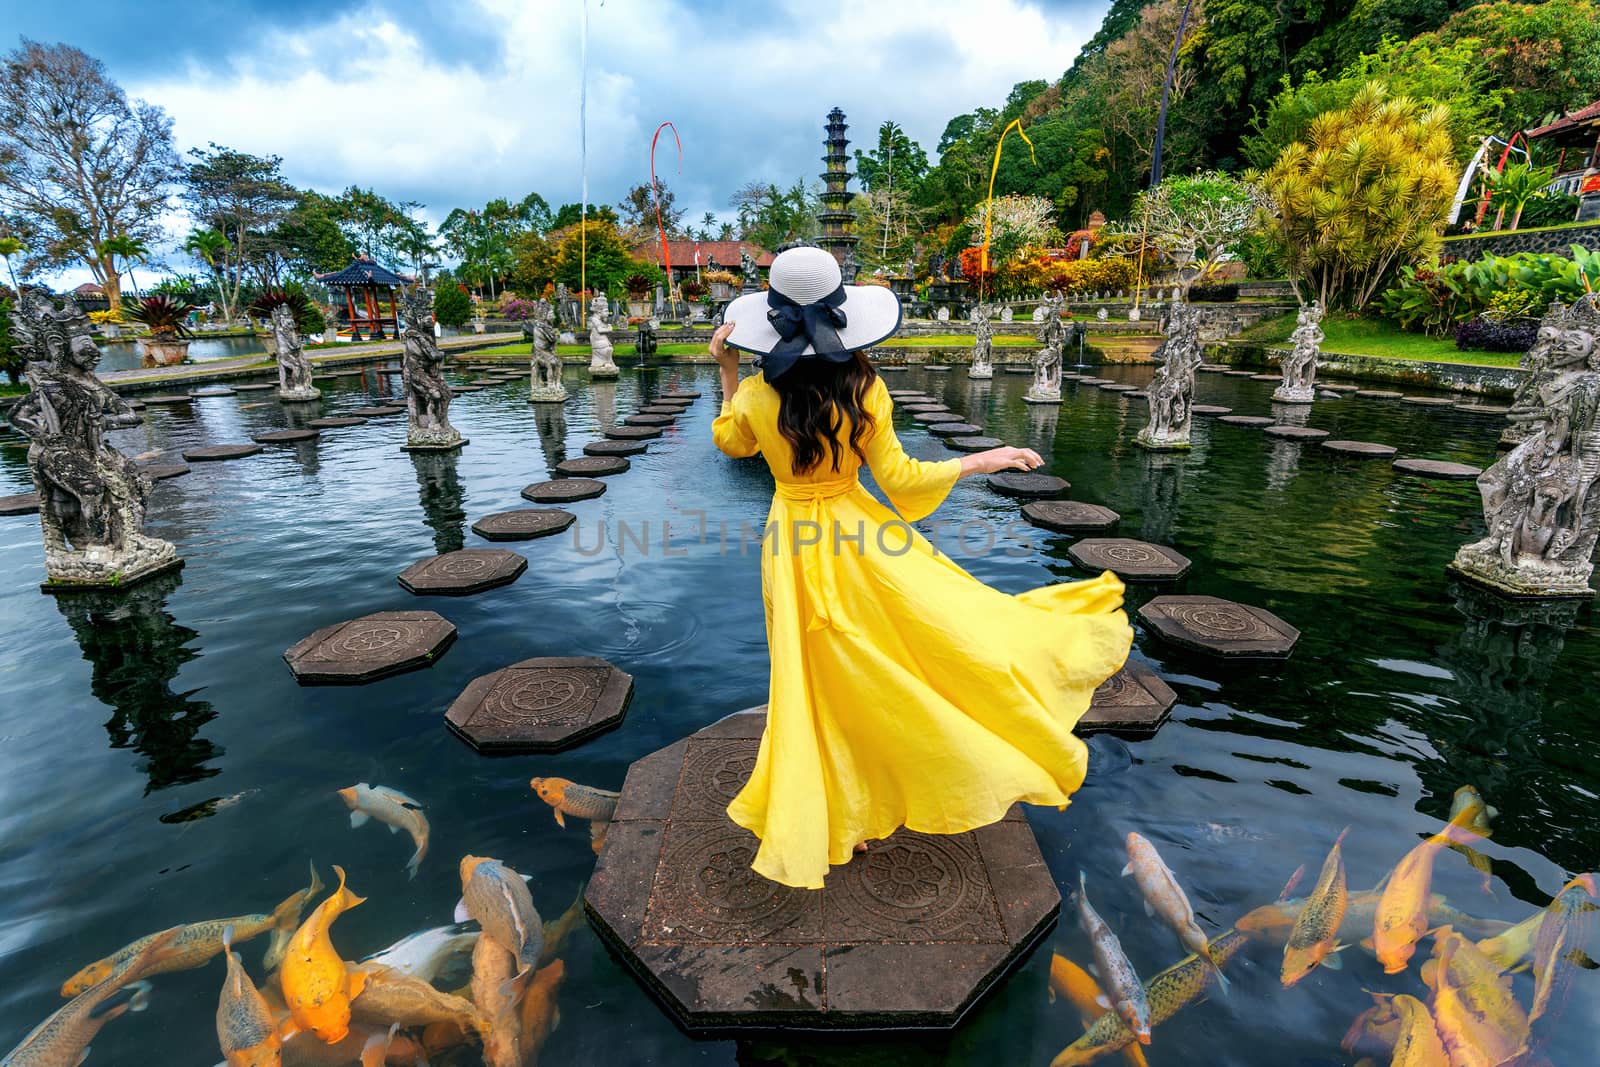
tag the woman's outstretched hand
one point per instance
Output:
(1000, 459)
(726, 357)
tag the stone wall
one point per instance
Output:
(1460, 377)
(1506, 242)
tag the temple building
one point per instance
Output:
(1575, 139)
(837, 220)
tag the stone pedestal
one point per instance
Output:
(1524, 577)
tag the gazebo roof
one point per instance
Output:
(362, 272)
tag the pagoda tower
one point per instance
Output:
(836, 218)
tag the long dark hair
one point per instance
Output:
(816, 399)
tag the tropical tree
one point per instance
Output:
(240, 197)
(1018, 223)
(769, 216)
(211, 248)
(451, 306)
(1514, 187)
(9, 247)
(1365, 193)
(130, 250)
(639, 209)
(79, 163)
(601, 259)
(381, 228)
(1198, 217)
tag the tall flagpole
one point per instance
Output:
(583, 153)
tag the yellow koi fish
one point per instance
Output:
(1510, 949)
(557, 933)
(246, 1028)
(1418, 1043)
(392, 808)
(1480, 1022)
(540, 1012)
(1165, 898)
(1314, 939)
(317, 987)
(1078, 987)
(497, 989)
(286, 920)
(497, 898)
(391, 997)
(1273, 923)
(1559, 947)
(1402, 916)
(579, 801)
(1376, 1030)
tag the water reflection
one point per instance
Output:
(1283, 463)
(1042, 420)
(443, 498)
(1162, 493)
(605, 404)
(135, 648)
(551, 422)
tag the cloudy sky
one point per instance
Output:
(452, 102)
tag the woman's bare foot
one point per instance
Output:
(861, 846)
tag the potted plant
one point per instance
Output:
(638, 287)
(167, 319)
(722, 283)
(692, 291)
(306, 316)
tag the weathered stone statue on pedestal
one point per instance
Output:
(1541, 501)
(1046, 388)
(91, 497)
(752, 277)
(943, 314)
(982, 344)
(601, 361)
(1171, 391)
(294, 369)
(1300, 365)
(422, 370)
(1525, 405)
(568, 315)
(1006, 314)
(645, 343)
(850, 267)
(541, 334)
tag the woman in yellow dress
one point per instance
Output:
(903, 692)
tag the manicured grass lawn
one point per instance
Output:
(662, 349)
(954, 340)
(1361, 336)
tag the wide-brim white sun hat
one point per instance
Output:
(807, 281)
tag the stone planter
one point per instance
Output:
(162, 352)
(640, 307)
(269, 342)
(721, 291)
(110, 331)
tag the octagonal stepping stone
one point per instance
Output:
(371, 647)
(379, 412)
(972, 444)
(1094, 381)
(20, 504)
(1135, 700)
(1019, 368)
(1220, 627)
(679, 394)
(1130, 560)
(484, 381)
(458, 390)
(935, 366)
(1213, 368)
(335, 422)
(1295, 433)
(212, 390)
(923, 405)
(1209, 409)
(1069, 516)
(1483, 409)
(217, 453)
(953, 429)
(541, 705)
(1240, 373)
(1024, 483)
(1339, 387)
(157, 472)
(165, 399)
(892, 370)
(256, 387)
(650, 420)
(1245, 420)
(592, 466)
(138, 405)
(633, 433)
(928, 415)
(1437, 468)
(463, 572)
(1380, 394)
(673, 895)
(563, 490)
(1116, 387)
(1266, 377)
(1428, 401)
(523, 524)
(906, 394)
(614, 447)
(661, 409)
(284, 437)
(1367, 449)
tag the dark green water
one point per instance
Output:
(119, 715)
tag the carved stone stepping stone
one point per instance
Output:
(212, 390)
(164, 399)
(661, 409)
(161, 471)
(935, 366)
(463, 572)
(1130, 560)
(595, 466)
(913, 933)
(139, 405)
(972, 444)
(1023, 483)
(335, 422)
(371, 647)
(923, 405)
(458, 390)
(1437, 468)
(1428, 401)
(1380, 394)
(541, 705)
(1135, 700)
(1213, 368)
(614, 447)
(484, 381)
(1339, 387)
(1116, 387)
(1220, 627)
(255, 387)
(20, 504)
(1094, 381)
(1266, 377)
(926, 415)
(347, 373)
(679, 394)
(1296, 433)
(381, 411)
(1245, 420)
(217, 453)
(1019, 369)
(953, 429)
(523, 524)
(563, 490)
(1069, 516)
(907, 394)
(1482, 409)
(892, 370)
(284, 437)
(650, 420)
(1367, 449)
(633, 433)
(1209, 409)
(1240, 373)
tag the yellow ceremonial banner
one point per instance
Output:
(988, 206)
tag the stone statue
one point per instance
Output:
(955, 270)
(1046, 388)
(747, 268)
(542, 335)
(1525, 405)
(91, 496)
(943, 314)
(850, 267)
(1171, 390)
(1300, 365)
(645, 342)
(428, 426)
(910, 269)
(936, 266)
(1006, 314)
(1101, 315)
(601, 363)
(982, 344)
(1541, 501)
(1038, 313)
(294, 369)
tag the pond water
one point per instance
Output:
(122, 716)
(124, 355)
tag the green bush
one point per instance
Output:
(452, 306)
(1435, 299)
(10, 355)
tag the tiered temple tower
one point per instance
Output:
(836, 218)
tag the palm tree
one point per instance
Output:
(211, 248)
(10, 246)
(1515, 186)
(131, 249)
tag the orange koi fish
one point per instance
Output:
(1079, 988)
(1402, 916)
(540, 1012)
(498, 899)
(246, 1027)
(1480, 1022)
(1418, 1043)
(1559, 947)
(317, 987)
(1314, 938)
(497, 989)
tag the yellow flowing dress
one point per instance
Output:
(903, 692)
